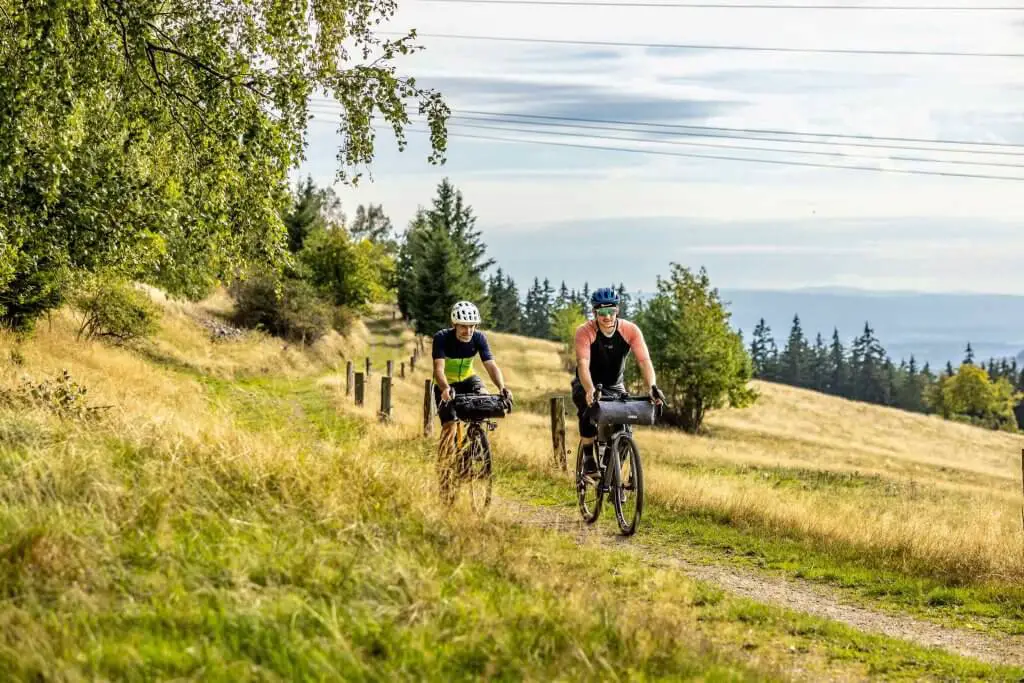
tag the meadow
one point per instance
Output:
(219, 509)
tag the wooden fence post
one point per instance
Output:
(412, 363)
(428, 407)
(385, 398)
(391, 368)
(558, 431)
(348, 378)
(360, 386)
(367, 367)
(401, 370)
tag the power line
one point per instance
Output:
(580, 134)
(747, 137)
(748, 148)
(719, 5)
(699, 46)
(734, 133)
(668, 153)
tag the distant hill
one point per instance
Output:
(934, 327)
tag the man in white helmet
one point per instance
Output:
(453, 351)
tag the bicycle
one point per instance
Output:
(615, 416)
(475, 415)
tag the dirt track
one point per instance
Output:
(797, 595)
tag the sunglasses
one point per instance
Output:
(606, 312)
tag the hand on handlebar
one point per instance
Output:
(507, 395)
(447, 394)
(657, 395)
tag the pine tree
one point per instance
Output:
(968, 355)
(794, 359)
(867, 368)
(819, 375)
(763, 351)
(838, 369)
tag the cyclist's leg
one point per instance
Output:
(445, 448)
(587, 429)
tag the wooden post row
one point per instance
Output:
(428, 408)
(385, 398)
(558, 431)
(359, 388)
(348, 378)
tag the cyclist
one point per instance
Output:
(453, 352)
(602, 345)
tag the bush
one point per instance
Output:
(294, 312)
(115, 310)
(700, 361)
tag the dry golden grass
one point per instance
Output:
(937, 493)
(325, 549)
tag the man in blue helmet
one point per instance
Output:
(602, 345)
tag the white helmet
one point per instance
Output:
(465, 313)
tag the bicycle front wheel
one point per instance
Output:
(627, 485)
(590, 510)
(478, 470)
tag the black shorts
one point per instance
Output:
(588, 429)
(472, 385)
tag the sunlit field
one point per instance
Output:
(219, 508)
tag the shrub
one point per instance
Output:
(62, 396)
(115, 310)
(290, 309)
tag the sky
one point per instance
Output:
(583, 214)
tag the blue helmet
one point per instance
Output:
(605, 296)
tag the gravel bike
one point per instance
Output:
(616, 453)
(475, 415)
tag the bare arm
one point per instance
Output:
(583, 368)
(495, 373)
(440, 380)
(647, 370)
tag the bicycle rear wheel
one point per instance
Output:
(627, 484)
(478, 469)
(591, 510)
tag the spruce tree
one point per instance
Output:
(838, 369)
(793, 361)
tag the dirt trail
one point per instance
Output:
(797, 595)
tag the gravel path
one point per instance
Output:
(802, 596)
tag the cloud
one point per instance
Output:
(756, 224)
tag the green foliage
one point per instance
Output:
(62, 396)
(971, 396)
(155, 138)
(114, 310)
(564, 321)
(290, 309)
(700, 361)
(440, 262)
(344, 272)
(506, 313)
(312, 209)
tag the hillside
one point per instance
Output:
(228, 513)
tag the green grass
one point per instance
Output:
(292, 555)
(874, 579)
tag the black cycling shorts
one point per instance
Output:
(471, 385)
(588, 429)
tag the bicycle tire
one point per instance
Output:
(480, 470)
(619, 446)
(589, 516)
